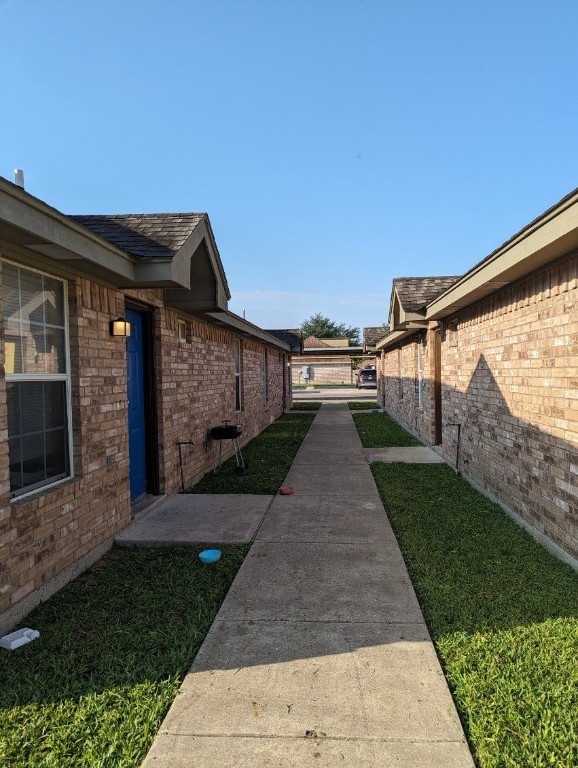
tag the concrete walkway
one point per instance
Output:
(319, 655)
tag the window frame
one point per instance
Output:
(47, 377)
(182, 327)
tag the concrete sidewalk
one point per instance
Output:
(319, 655)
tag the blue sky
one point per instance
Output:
(335, 145)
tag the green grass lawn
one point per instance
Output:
(362, 405)
(502, 611)
(269, 457)
(306, 405)
(378, 430)
(114, 647)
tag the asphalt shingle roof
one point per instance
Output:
(312, 342)
(374, 334)
(416, 292)
(292, 337)
(144, 235)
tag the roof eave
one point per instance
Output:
(547, 238)
(31, 223)
(239, 325)
(394, 338)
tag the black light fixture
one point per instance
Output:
(119, 327)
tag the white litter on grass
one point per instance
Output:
(20, 637)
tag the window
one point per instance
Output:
(265, 376)
(238, 375)
(37, 378)
(399, 363)
(182, 331)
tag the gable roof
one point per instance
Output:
(312, 342)
(415, 293)
(175, 252)
(374, 334)
(164, 239)
(144, 235)
(292, 337)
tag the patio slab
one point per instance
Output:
(191, 518)
(413, 455)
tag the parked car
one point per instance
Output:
(366, 377)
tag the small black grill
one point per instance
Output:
(228, 432)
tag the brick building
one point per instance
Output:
(93, 421)
(485, 366)
(326, 361)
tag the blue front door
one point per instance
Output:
(136, 405)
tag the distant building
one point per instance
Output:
(326, 361)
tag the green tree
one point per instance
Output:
(324, 328)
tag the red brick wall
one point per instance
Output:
(510, 378)
(43, 534)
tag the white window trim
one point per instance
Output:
(66, 377)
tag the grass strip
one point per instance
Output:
(114, 647)
(322, 386)
(362, 405)
(269, 457)
(310, 405)
(502, 611)
(378, 430)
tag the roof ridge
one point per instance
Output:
(429, 277)
(132, 215)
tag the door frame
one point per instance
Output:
(150, 395)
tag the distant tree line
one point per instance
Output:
(324, 328)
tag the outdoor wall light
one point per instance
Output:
(119, 327)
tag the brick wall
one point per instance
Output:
(510, 378)
(323, 371)
(48, 531)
